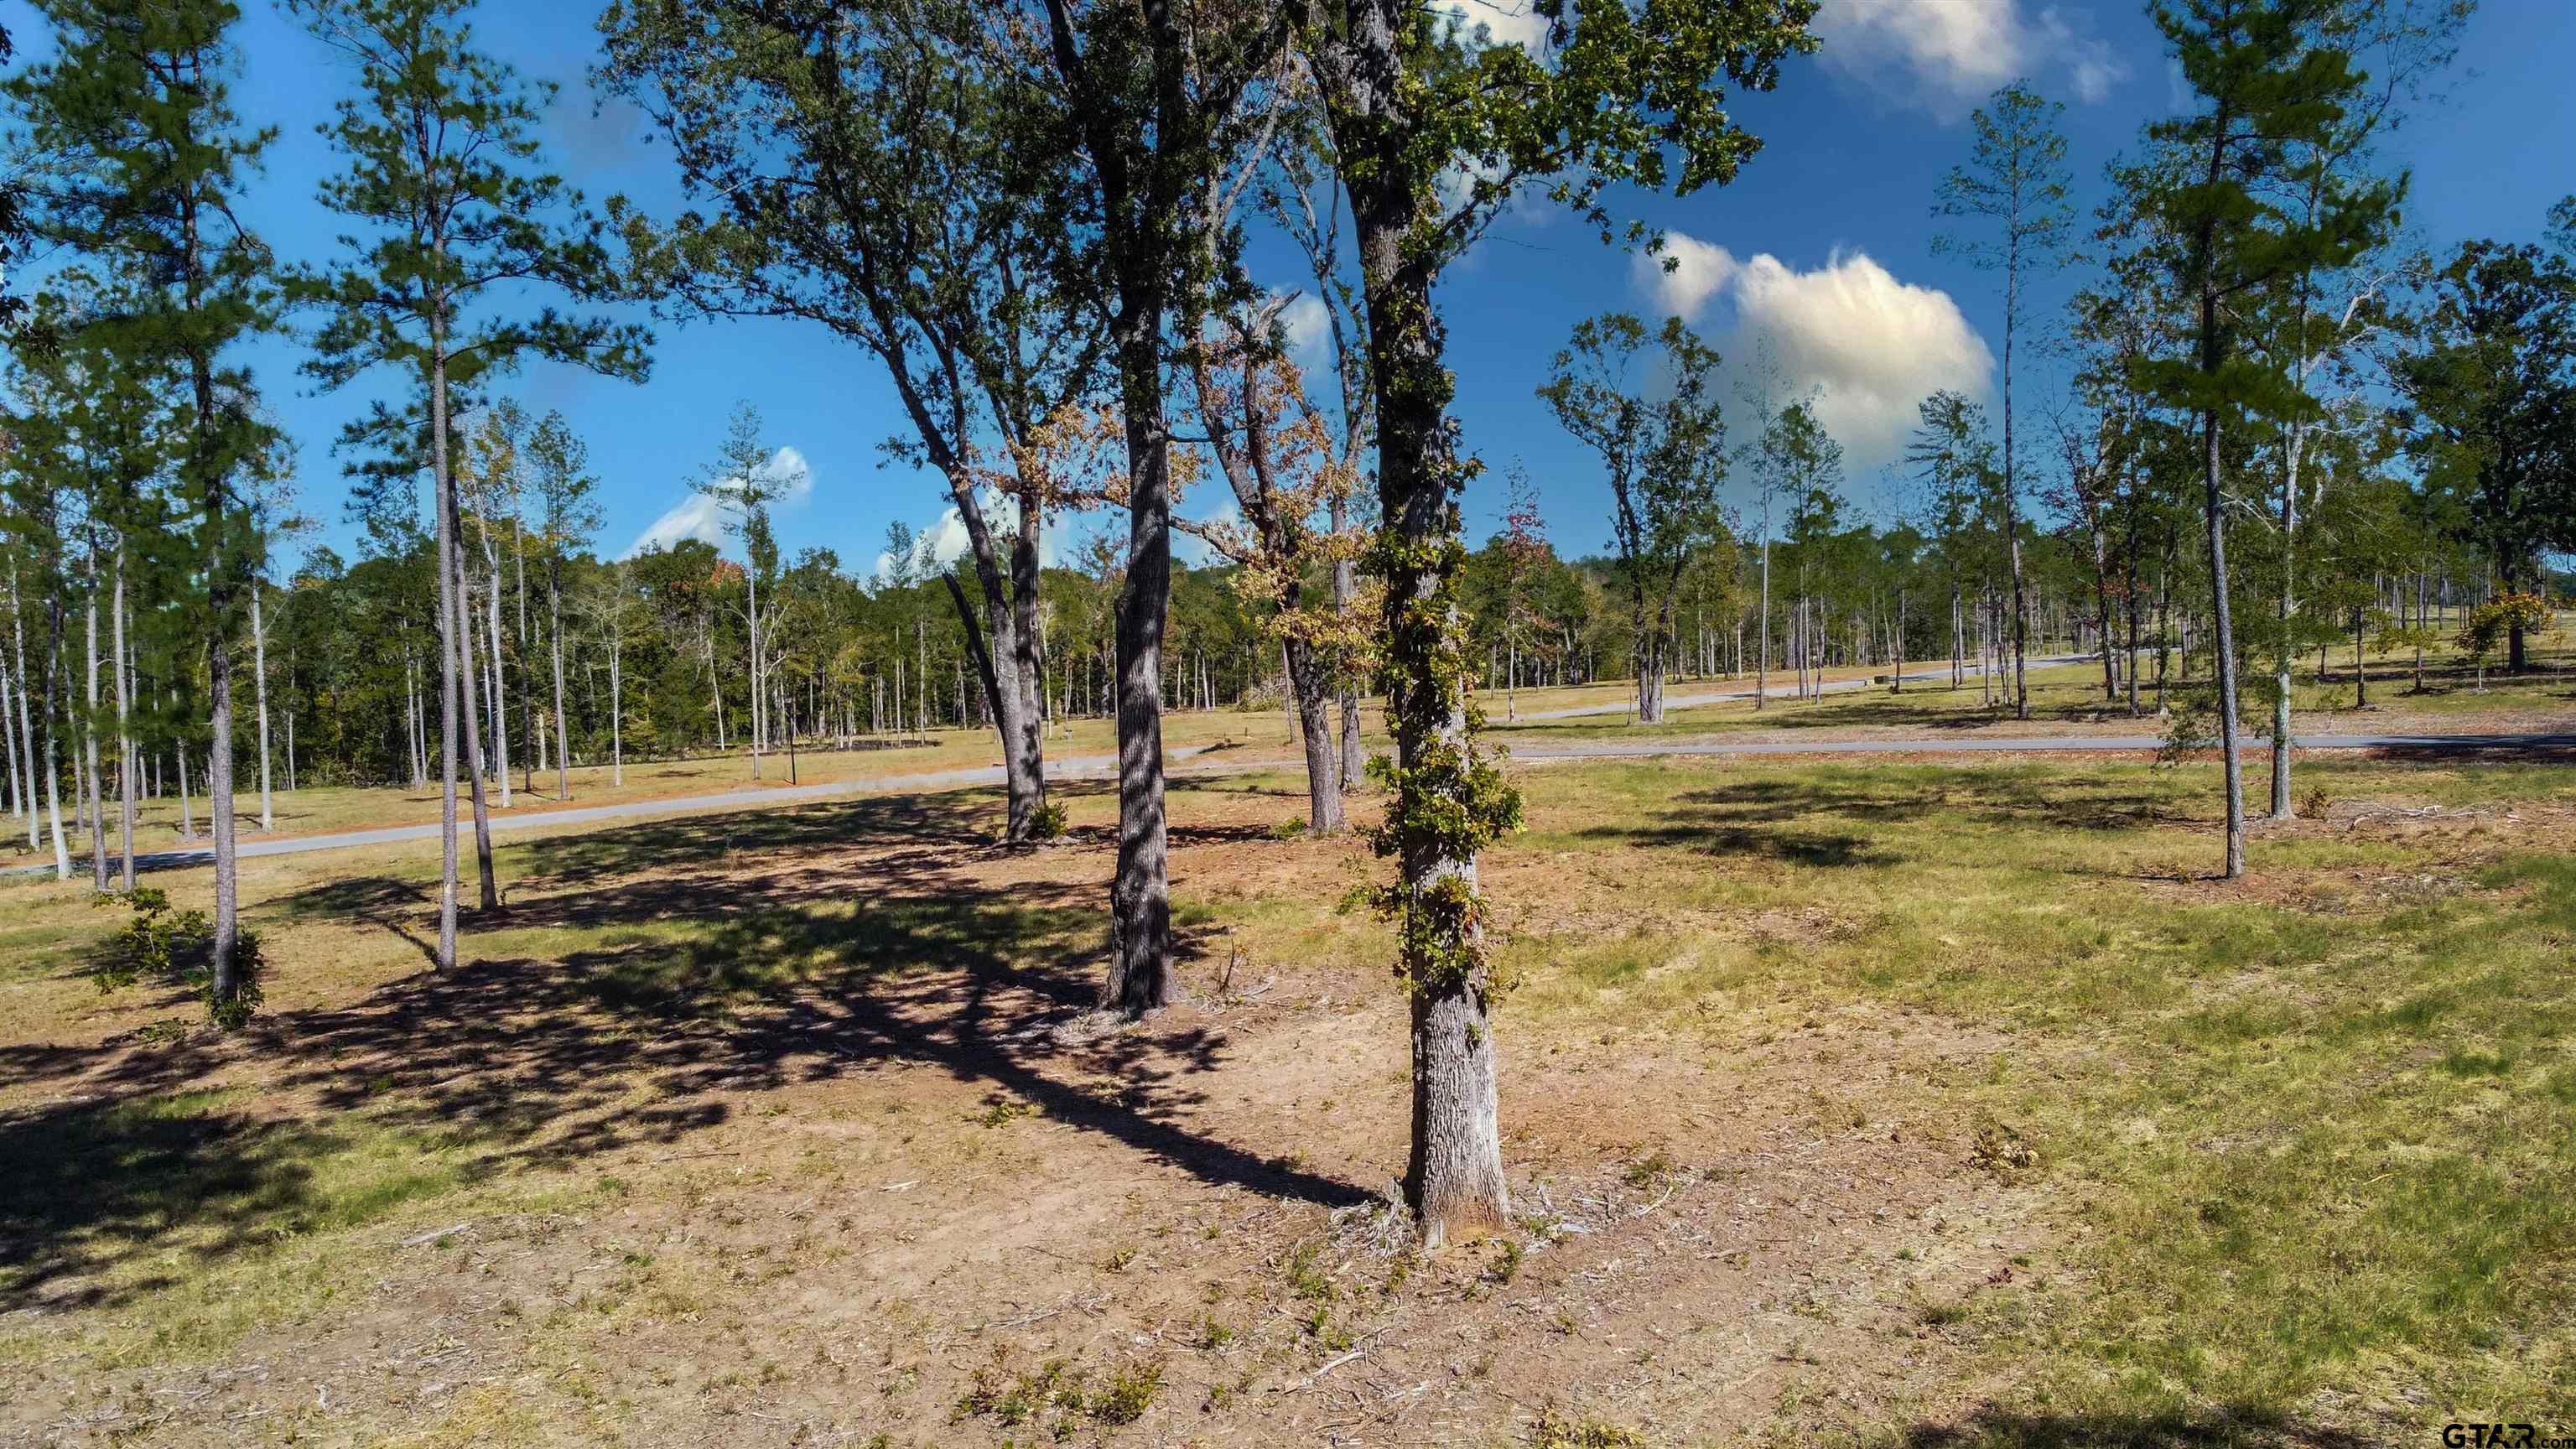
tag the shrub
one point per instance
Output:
(179, 946)
(1130, 1392)
(1048, 823)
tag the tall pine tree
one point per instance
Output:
(148, 163)
(2272, 78)
(459, 218)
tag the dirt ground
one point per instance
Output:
(900, 1208)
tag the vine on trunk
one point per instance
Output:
(1452, 801)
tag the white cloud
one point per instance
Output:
(1699, 270)
(946, 539)
(1506, 22)
(702, 515)
(1306, 325)
(1875, 345)
(1954, 52)
(695, 516)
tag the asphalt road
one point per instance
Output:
(1789, 690)
(1099, 766)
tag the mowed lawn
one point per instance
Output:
(1906, 1101)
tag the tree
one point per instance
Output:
(2491, 410)
(2320, 313)
(1665, 456)
(1954, 462)
(1302, 198)
(1282, 459)
(568, 515)
(2016, 182)
(1413, 108)
(1160, 118)
(1811, 475)
(1525, 550)
(743, 481)
(2269, 79)
(443, 171)
(870, 178)
(149, 160)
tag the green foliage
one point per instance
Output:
(1048, 821)
(158, 943)
(445, 226)
(1555, 1431)
(1129, 1392)
(2233, 190)
(2492, 403)
(2490, 623)
(1647, 403)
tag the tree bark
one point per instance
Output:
(554, 642)
(2213, 505)
(53, 744)
(89, 737)
(1323, 766)
(125, 782)
(1140, 896)
(259, 693)
(1454, 1173)
(26, 728)
(1002, 640)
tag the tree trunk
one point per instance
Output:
(1454, 1174)
(554, 640)
(2286, 610)
(1762, 660)
(1140, 895)
(53, 744)
(616, 714)
(125, 782)
(1001, 641)
(1650, 663)
(1028, 654)
(259, 693)
(1323, 766)
(759, 711)
(2213, 505)
(89, 738)
(499, 682)
(26, 727)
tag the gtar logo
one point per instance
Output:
(2490, 1436)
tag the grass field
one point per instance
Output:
(1892, 1103)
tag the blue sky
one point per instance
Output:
(1823, 245)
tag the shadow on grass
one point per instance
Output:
(2245, 1428)
(86, 1185)
(712, 957)
(1790, 820)
(1925, 706)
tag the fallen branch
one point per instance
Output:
(434, 1234)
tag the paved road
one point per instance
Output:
(2037, 744)
(1099, 766)
(1077, 768)
(1785, 691)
